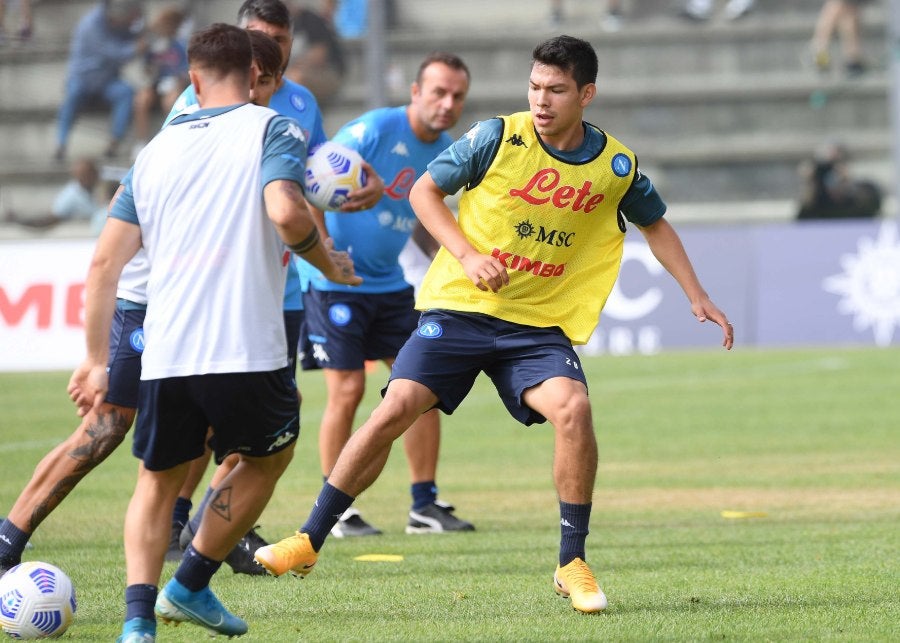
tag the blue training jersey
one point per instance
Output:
(375, 237)
(299, 103)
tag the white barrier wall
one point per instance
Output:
(815, 283)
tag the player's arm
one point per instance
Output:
(666, 246)
(427, 199)
(286, 208)
(119, 241)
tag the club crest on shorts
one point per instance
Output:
(339, 314)
(136, 339)
(430, 330)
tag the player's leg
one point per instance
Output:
(564, 402)
(359, 465)
(337, 326)
(98, 435)
(256, 415)
(101, 431)
(428, 515)
(183, 503)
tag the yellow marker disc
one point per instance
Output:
(744, 514)
(379, 558)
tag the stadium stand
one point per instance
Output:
(721, 114)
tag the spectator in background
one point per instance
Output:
(166, 67)
(77, 199)
(831, 192)
(317, 60)
(105, 39)
(842, 17)
(701, 10)
(26, 23)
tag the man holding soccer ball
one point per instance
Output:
(521, 276)
(345, 326)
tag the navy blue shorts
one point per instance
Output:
(344, 329)
(449, 350)
(126, 344)
(254, 414)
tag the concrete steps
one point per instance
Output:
(717, 112)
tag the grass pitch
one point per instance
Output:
(803, 443)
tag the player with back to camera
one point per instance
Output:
(520, 278)
(103, 428)
(346, 326)
(273, 18)
(215, 241)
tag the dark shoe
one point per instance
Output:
(7, 564)
(855, 69)
(186, 536)
(174, 551)
(352, 524)
(241, 560)
(436, 518)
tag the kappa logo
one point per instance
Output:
(136, 339)
(430, 330)
(294, 130)
(515, 139)
(400, 149)
(281, 440)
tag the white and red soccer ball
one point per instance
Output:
(332, 172)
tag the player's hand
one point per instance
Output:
(704, 310)
(367, 196)
(342, 272)
(88, 386)
(486, 272)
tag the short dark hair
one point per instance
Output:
(274, 12)
(451, 60)
(573, 55)
(221, 50)
(266, 52)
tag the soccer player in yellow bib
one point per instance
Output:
(521, 276)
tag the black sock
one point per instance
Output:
(573, 521)
(139, 601)
(423, 494)
(330, 505)
(196, 570)
(12, 542)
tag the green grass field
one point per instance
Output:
(809, 438)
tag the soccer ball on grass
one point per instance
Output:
(37, 600)
(332, 172)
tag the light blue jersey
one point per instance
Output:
(297, 102)
(375, 237)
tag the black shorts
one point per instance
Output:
(344, 329)
(449, 350)
(254, 414)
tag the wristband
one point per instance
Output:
(307, 244)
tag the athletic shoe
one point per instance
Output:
(294, 554)
(436, 518)
(240, 559)
(174, 551)
(351, 524)
(186, 536)
(138, 630)
(576, 581)
(177, 604)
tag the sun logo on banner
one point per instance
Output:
(870, 284)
